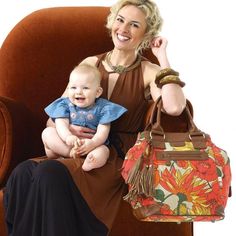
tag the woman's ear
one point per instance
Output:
(99, 92)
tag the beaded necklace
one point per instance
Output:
(119, 68)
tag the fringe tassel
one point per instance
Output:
(150, 181)
(132, 195)
(134, 171)
(140, 180)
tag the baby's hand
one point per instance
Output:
(71, 139)
(85, 146)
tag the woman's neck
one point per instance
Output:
(123, 58)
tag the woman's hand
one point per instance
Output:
(158, 46)
(82, 132)
(50, 123)
(79, 131)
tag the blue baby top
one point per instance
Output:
(102, 112)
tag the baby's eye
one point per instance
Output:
(85, 88)
(73, 87)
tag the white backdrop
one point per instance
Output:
(202, 48)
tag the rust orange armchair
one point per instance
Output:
(35, 61)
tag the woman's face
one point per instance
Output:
(129, 28)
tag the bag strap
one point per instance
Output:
(195, 135)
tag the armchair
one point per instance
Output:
(37, 57)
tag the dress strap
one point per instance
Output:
(100, 57)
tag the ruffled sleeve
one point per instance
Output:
(110, 111)
(58, 108)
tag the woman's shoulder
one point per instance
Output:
(90, 60)
(149, 66)
(150, 70)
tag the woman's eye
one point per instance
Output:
(135, 25)
(120, 19)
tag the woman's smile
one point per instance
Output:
(122, 38)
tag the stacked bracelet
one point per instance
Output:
(167, 76)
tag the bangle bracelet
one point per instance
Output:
(171, 79)
(167, 76)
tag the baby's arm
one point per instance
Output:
(62, 127)
(98, 139)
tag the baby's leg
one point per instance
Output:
(53, 145)
(96, 158)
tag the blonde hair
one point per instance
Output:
(88, 68)
(152, 15)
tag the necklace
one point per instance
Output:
(119, 68)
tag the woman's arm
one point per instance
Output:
(79, 131)
(158, 46)
(172, 94)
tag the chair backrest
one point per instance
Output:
(41, 50)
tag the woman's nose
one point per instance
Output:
(124, 27)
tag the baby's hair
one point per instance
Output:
(88, 68)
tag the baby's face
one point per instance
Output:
(83, 89)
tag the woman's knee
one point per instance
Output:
(22, 174)
(24, 168)
(50, 172)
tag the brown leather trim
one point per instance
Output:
(183, 155)
(145, 211)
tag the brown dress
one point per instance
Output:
(56, 197)
(103, 188)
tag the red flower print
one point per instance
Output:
(205, 169)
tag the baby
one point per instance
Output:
(82, 107)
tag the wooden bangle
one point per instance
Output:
(167, 76)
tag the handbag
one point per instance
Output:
(176, 176)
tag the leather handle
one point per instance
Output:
(158, 136)
(155, 120)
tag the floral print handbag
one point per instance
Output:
(176, 177)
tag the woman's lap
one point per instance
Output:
(42, 199)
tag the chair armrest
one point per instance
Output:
(16, 139)
(3, 227)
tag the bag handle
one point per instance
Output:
(195, 135)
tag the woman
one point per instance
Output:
(56, 197)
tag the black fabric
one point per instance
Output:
(41, 199)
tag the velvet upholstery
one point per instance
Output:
(35, 61)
